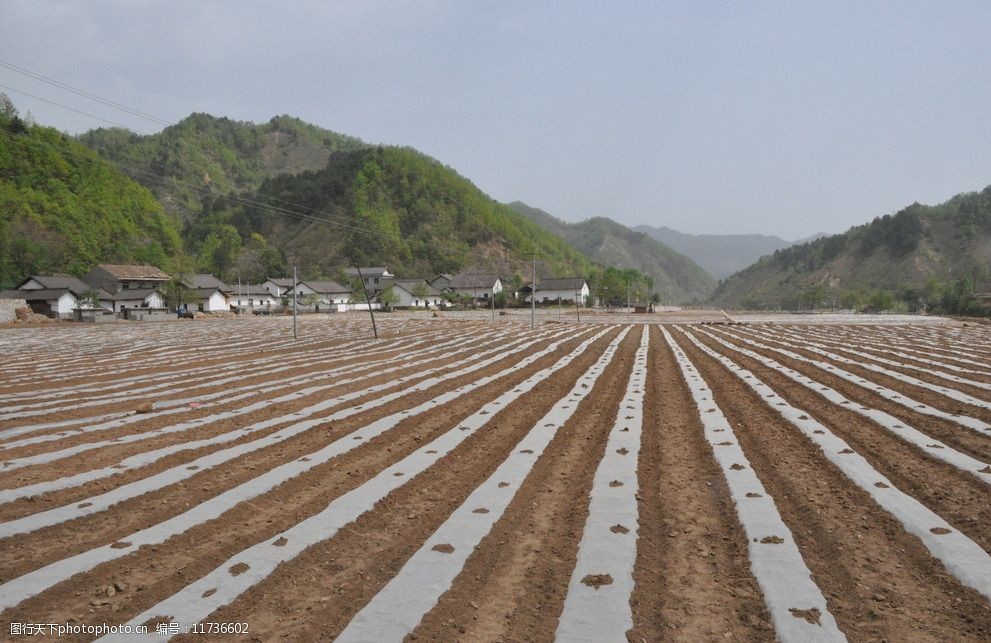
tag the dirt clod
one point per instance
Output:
(597, 580)
(810, 615)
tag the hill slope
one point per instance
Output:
(183, 162)
(719, 254)
(244, 191)
(372, 206)
(63, 208)
(676, 277)
(916, 257)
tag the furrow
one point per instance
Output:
(397, 609)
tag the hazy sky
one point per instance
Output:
(784, 118)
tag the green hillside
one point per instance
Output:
(382, 206)
(63, 208)
(676, 278)
(923, 257)
(240, 188)
(202, 153)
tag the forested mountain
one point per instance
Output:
(923, 257)
(255, 199)
(677, 279)
(719, 254)
(202, 154)
(63, 208)
(382, 206)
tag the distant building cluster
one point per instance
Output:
(145, 292)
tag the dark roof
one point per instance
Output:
(205, 281)
(561, 283)
(375, 271)
(134, 272)
(59, 282)
(468, 280)
(204, 293)
(326, 286)
(282, 282)
(44, 294)
(256, 289)
(409, 284)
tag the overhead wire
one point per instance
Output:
(452, 253)
(51, 102)
(82, 92)
(318, 216)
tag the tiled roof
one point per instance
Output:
(561, 283)
(134, 272)
(326, 286)
(468, 280)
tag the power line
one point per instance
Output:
(51, 102)
(82, 92)
(451, 254)
(242, 200)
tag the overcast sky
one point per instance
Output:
(784, 118)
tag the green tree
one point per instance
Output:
(388, 298)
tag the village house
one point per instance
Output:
(329, 295)
(416, 293)
(441, 281)
(208, 300)
(252, 297)
(129, 286)
(560, 289)
(478, 287)
(206, 293)
(279, 287)
(376, 279)
(57, 295)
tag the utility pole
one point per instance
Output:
(295, 300)
(368, 300)
(492, 297)
(628, 295)
(578, 312)
(533, 292)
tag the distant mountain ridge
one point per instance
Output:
(719, 254)
(922, 257)
(676, 277)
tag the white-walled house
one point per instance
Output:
(416, 293)
(206, 293)
(477, 286)
(278, 287)
(208, 300)
(321, 293)
(57, 295)
(115, 278)
(129, 286)
(564, 289)
(251, 296)
(376, 278)
(43, 301)
(137, 298)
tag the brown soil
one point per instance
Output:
(856, 551)
(692, 575)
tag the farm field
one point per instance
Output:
(459, 479)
